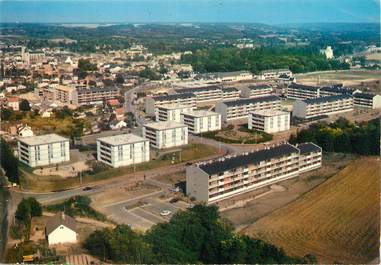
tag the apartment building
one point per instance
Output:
(298, 91)
(215, 180)
(334, 90)
(65, 94)
(316, 107)
(256, 91)
(185, 99)
(199, 121)
(165, 134)
(230, 93)
(204, 93)
(274, 73)
(95, 95)
(43, 150)
(269, 121)
(225, 76)
(240, 109)
(171, 112)
(366, 100)
(123, 150)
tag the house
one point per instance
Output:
(117, 125)
(13, 103)
(46, 113)
(61, 229)
(113, 102)
(24, 131)
(119, 114)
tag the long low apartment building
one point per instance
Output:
(298, 91)
(43, 150)
(211, 93)
(184, 99)
(123, 150)
(240, 109)
(322, 106)
(171, 112)
(200, 121)
(269, 121)
(229, 176)
(95, 95)
(366, 100)
(166, 134)
(256, 91)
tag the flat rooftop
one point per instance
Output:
(200, 113)
(270, 113)
(173, 106)
(122, 139)
(43, 139)
(163, 125)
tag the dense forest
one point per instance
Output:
(298, 60)
(198, 235)
(343, 136)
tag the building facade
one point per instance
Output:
(298, 91)
(166, 134)
(219, 179)
(95, 95)
(256, 91)
(366, 100)
(123, 150)
(171, 112)
(43, 150)
(185, 99)
(269, 121)
(200, 121)
(240, 109)
(317, 107)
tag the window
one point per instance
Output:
(120, 152)
(63, 149)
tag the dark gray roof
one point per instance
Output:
(197, 89)
(306, 148)
(60, 219)
(259, 87)
(363, 95)
(304, 87)
(174, 96)
(96, 89)
(248, 159)
(248, 101)
(337, 89)
(229, 89)
(326, 99)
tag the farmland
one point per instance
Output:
(338, 221)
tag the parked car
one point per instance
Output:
(165, 213)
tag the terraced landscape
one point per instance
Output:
(339, 221)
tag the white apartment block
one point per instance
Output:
(366, 100)
(275, 73)
(43, 150)
(204, 93)
(334, 90)
(317, 107)
(256, 91)
(186, 99)
(171, 112)
(199, 121)
(215, 180)
(269, 121)
(166, 134)
(298, 91)
(240, 109)
(65, 94)
(123, 150)
(230, 93)
(95, 95)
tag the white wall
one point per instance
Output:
(62, 235)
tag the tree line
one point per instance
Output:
(9, 162)
(197, 235)
(298, 60)
(343, 136)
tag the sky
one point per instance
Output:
(145, 11)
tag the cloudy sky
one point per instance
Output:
(263, 11)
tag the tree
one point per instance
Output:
(24, 105)
(119, 79)
(9, 162)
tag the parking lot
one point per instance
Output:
(144, 213)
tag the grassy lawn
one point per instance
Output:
(240, 135)
(38, 183)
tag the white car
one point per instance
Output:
(165, 213)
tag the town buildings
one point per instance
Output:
(269, 121)
(61, 229)
(274, 73)
(171, 112)
(43, 150)
(13, 103)
(165, 134)
(316, 107)
(199, 121)
(225, 76)
(222, 178)
(185, 99)
(123, 150)
(240, 109)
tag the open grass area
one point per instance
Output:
(238, 135)
(33, 182)
(338, 221)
